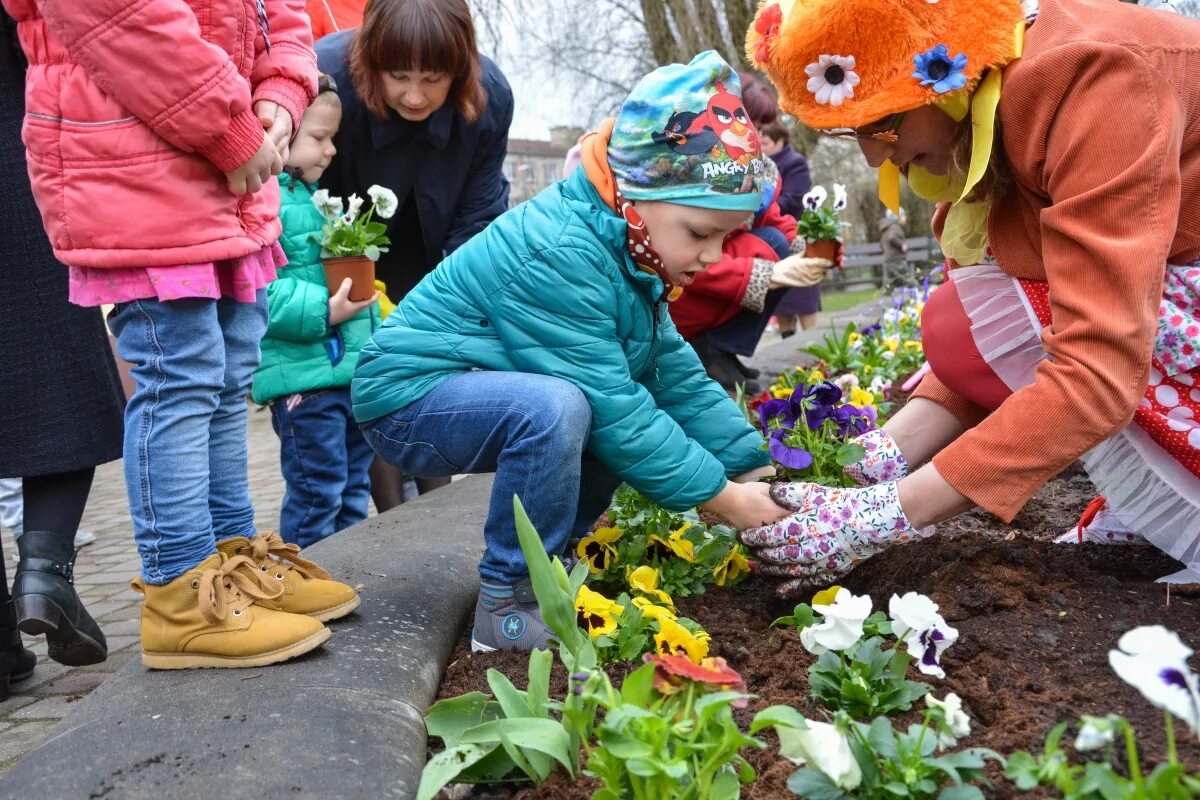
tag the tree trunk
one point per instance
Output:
(658, 29)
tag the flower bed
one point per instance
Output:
(986, 641)
(1036, 623)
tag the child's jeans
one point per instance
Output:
(325, 461)
(12, 505)
(531, 430)
(185, 425)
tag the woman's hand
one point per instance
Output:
(342, 308)
(745, 505)
(250, 177)
(831, 532)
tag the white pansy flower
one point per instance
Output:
(957, 723)
(839, 197)
(916, 621)
(1153, 660)
(1095, 733)
(330, 207)
(842, 625)
(385, 201)
(815, 198)
(824, 748)
(832, 79)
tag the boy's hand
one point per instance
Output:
(250, 177)
(746, 505)
(278, 124)
(342, 308)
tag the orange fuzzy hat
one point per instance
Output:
(846, 63)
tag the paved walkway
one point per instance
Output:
(103, 571)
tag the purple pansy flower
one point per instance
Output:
(790, 457)
(772, 409)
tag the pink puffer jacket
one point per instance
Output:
(136, 108)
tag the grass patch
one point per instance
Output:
(840, 301)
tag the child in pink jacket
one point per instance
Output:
(153, 130)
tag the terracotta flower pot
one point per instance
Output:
(359, 269)
(824, 248)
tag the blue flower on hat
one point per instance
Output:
(937, 68)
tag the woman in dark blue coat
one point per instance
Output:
(424, 114)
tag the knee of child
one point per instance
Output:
(567, 409)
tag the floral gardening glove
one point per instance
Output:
(830, 533)
(883, 462)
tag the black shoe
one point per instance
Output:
(46, 602)
(16, 663)
(747, 372)
(723, 368)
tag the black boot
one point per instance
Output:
(722, 367)
(747, 371)
(46, 602)
(16, 663)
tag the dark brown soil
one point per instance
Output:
(1035, 621)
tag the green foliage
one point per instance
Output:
(353, 233)
(1100, 780)
(823, 223)
(865, 680)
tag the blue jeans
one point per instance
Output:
(185, 425)
(325, 461)
(531, 430)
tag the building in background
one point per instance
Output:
(532, 164)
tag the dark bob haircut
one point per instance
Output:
(418, 35)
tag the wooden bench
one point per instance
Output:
(864, 263)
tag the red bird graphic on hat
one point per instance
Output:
(729, 120)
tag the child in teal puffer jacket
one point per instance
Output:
(542, 350)
(310, 351)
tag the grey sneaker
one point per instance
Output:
(507, 618)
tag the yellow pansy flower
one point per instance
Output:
(597, 614)
(597, 549)
(861, 397)
(651, 611)
(674, 639)
(781, 394)
(826, 597)
(676, 544)
(816, 376)
(733, 565)
(645, 579)
(915, 347)
(891, 343)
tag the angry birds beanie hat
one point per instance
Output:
(684, 137)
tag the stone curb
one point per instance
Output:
(342, 722)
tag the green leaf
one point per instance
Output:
(779, 717)
(1022, 770)
(850, 453)
(372, 252)
(877, 624)
(638, 687)
(448, 765)
(802, 617)
(814, 785)
(538, 693)
(511, 699)
(556, 606)
(447, 719)
(537, 735)
(725, 787)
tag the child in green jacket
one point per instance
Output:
(310, 351)
(542, 350)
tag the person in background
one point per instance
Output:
(799, 306)
(310, 351)
(898, 271)
(426, 115)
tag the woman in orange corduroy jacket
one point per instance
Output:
(1070, 326)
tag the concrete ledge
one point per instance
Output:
(342, 722)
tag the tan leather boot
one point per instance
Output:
(208, 617)
(307, 589)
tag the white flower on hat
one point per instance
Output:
(832, 78)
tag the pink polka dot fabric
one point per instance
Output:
(1170, 410)
(236, 278)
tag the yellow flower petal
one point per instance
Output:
(733, 565)
(673, 639)
(596, 613)
(825, 597)
(597, 549)
(652, 611)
